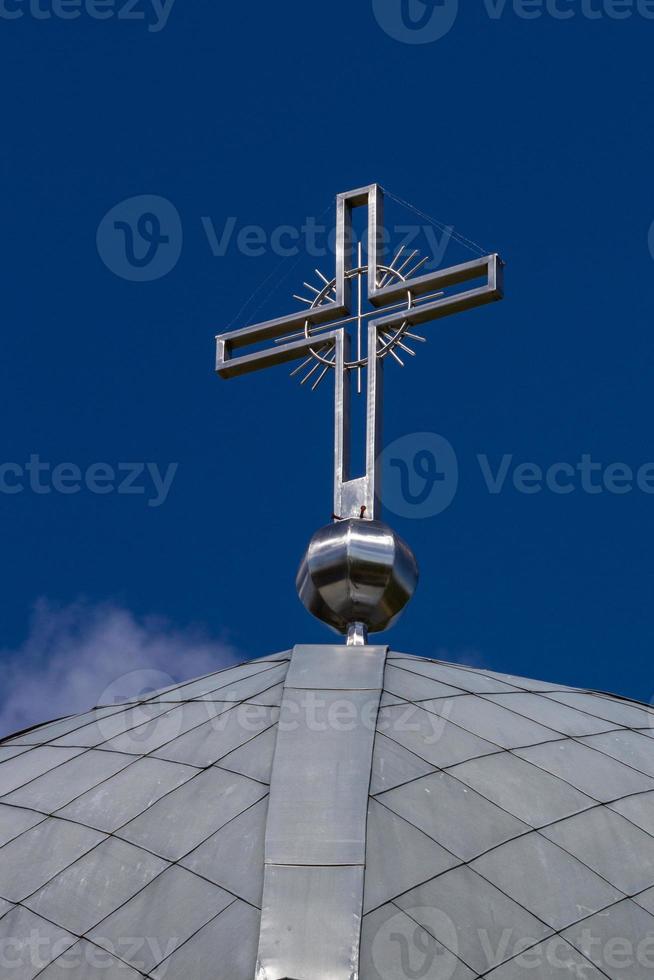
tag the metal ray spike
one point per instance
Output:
(397, 255)
(303, 299)
(319, 349)
(300, 367)
(415, 269)
(326, 281)
(391, 266)
(405, 348)
(313, 289)
(415, 336)
(320, 377)
(311, 372)
(408, 261)
(397, 357)
(394, 354)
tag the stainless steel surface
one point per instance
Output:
(14, 822)
(19, 770)
(310, 923)
(316, 833)
(515, 869)
(169, 910)
(357, 635)
(463, 822)
(623, 926)
(534, 796)
(255, 758)
(32, 859)
(335, 668)
(95, 885)
(210, 742)
(460, 677)
(32, 942)
(479, 914)
(317, 335)
(232, 684)
(319, 791)
(459, 841)
(600, 777)
(75, 964)
(491, 721)
(436, 740)
(60, 786)
(357, 571)
(605, 841)
(398, 857)
(557, 717)
(118, 800)
(323, 756)
(214, 797)
(215, 858)
(632, 748)
(575, 965)
(393, 765)
(224, 949)
(387, 935)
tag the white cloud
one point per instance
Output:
(81, 655)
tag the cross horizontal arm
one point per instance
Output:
(227, 366)
(436, 309)
(232, 367)
(489, 266)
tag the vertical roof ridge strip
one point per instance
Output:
(317, 817)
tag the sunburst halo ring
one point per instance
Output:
(329, 360)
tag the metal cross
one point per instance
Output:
(319, 334)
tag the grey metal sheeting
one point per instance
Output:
(316, 835)
(509, 835)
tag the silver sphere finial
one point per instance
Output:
(357, 576)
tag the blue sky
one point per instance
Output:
(526, 129)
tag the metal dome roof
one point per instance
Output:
(466, 817)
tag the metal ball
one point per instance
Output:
(357, 571)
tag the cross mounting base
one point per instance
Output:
(357, 576)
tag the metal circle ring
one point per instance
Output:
(386, 347)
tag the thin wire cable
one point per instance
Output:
(466, 242)
(265, 282)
